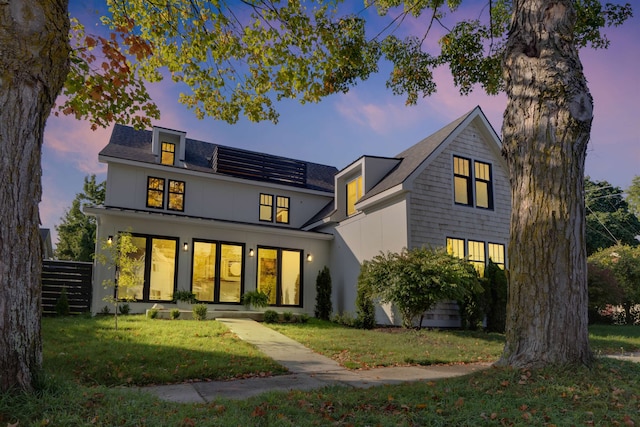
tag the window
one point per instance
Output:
(463, 183)
(282, 210)
(266, 207)
(155, 192)
(354, 193)
(176, 195)
(496, 254)
(153, 264)
(455, 247)
(476, 255)
(280, 275)
(217, 271)
(168, 154)
(484, 197)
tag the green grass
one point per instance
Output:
(145, 351)
(90, 352)
(356, 348)
(606, 395)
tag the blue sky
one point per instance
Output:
(367, 120)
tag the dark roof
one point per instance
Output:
(414, 156)
(130, 144)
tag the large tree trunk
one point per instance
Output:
(546, 128)
(34, 51)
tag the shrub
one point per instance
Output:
(105, 310)
(323, 294)
(62, 305)
(365, 310)
(255, 299)
(287, 316)
(270, 316)
(496, 288)
(303, 318)
(152, 313)
(345, 319)
(199, 311)
(174, 313)
(124, 308)
(185, 296)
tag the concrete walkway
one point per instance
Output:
(308, 370)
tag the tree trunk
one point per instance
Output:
(546, 128)
(34, 51)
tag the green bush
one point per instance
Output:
(345, 319)
(199, 312)
(287, 316)
(105, 310)
(414, 281)
(303, 318)
(255, 299)
(185, 296)
(174, 313)
(152, 313)
(323, 294)
(124, 308)
(365, 310)
(62, 305)
(496, 285)
(270, 316)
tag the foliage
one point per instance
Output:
(624, 263)
(365, 309)
(257, 299)
(199, 312)
(496, 287)
(414, 281)
(303, 318)
(174, 313)
(287, 316)
(62, 304)
(152, 313)
(633, 196)
(185, 296)
(271, 316)
(124, 308)
(324, 306)
(604, 292)
(609, 219)
(117, 255)
(77, 231)
(345, 319)
(473, 307)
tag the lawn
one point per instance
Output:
(607, 394)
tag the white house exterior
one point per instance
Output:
(220, 221)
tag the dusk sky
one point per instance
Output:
(368, 120)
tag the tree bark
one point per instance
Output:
(34, 52)
(546, 128)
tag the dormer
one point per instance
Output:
(355, 180)
(168, 146)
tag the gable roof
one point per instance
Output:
(414, 158)
(130, 144)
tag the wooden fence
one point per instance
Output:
(73, 276)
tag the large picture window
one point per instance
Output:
(155, 192)
(153, 262)
(217, 271)
(280, 275)
(466, 180)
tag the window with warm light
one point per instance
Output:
(280, 275)
(176, 195)
(282, 210)
(155, 192)
(218, 272)
(266, 207)
(472, 186)
(477, 252)
(168, 153)
(354, 193)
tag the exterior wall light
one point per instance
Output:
(251, 252)
(309, 257)
(185, 247)
(109, 240)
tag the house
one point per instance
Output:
(221, 221)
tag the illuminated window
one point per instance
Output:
(211, 285)
(279, 275)
(266, 207)
(155, 192)
(176, 195)
(496, 254)
(484, 196)
(354, 193)
(476, 255)
(282, 209)
(455, 247)
(462, 181)
(168, 154)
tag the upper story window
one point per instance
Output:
(155, 192)
(266, 207)
(354, 193)
(168, 153)
(176, 195)
(282, 209)
(464, 178)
